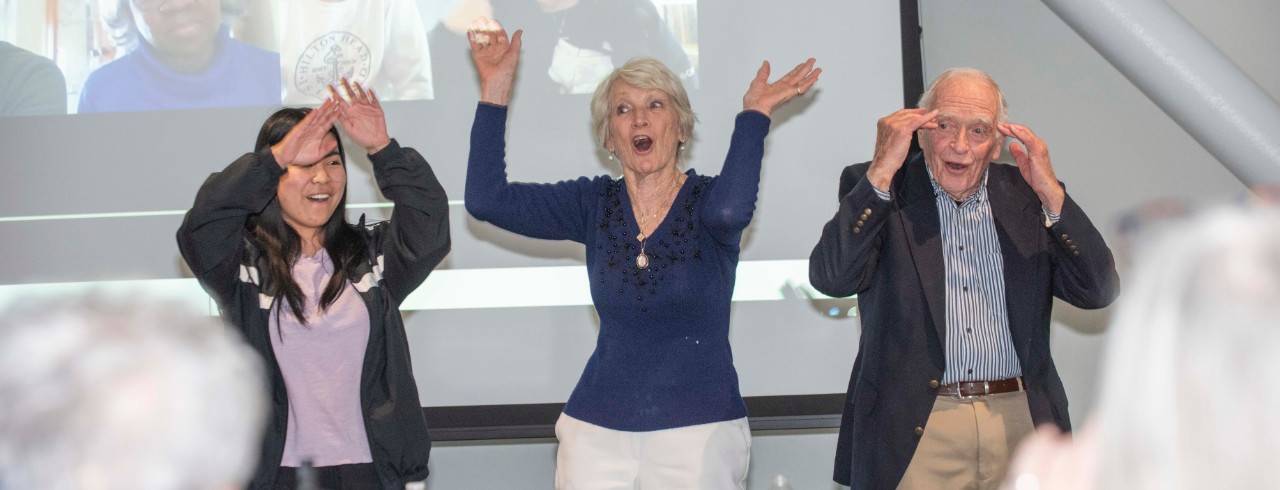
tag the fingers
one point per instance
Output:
(355, 94)
(909, 120)
(1024, 135)
(762, 74)
(1018, 152)
(321, 117)
(485, 32)
(928, 120)
(802, 77)
(805, 84)
(352, 94)
(516, 39)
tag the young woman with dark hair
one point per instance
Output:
(318, 297)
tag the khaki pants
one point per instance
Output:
(968, 442)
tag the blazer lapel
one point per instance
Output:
(1018, 219)
(921, 223)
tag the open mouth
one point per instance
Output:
(955, 166)
(318, 198)
(642, 143)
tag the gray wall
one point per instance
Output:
(1113, 147)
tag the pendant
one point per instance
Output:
(642, 261)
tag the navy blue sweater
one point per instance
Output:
(662, 359)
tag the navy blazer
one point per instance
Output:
(889, 253)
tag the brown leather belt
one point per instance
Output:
(966, 389)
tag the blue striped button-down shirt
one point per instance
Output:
(978, 344)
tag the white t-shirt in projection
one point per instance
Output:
(379, 43)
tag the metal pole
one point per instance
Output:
(1187, 77)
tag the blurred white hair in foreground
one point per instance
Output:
(1189, 392)
(101, 392)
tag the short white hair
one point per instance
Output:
(104, 394)
(1188, 395)
(927, 99)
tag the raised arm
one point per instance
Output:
(549, 211)
(1084, 270)
(731, 199)
(846, 257)
(211, 238)
(495, 58)
(417, 237)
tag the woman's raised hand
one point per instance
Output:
(495, 58)
(361, 116)
(305, 143)
(765, 97)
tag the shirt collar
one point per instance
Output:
(979, 195)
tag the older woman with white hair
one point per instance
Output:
(658, 404)
(1187, 392)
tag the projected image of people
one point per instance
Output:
(180, 56)
(379, 43)
(573, 44)
(662, 247)
(30, 84)
(318, 297)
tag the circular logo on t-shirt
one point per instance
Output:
(330, 58)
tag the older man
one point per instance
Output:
(955, 261)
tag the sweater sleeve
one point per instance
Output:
(731, 199)
(549, 211)
(417, 238)
(212, 236)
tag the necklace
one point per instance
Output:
(642, 259)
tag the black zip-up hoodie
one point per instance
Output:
(217, 247)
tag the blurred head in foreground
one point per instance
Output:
(99, 394)
(1188, 397)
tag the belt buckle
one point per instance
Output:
(961, 395)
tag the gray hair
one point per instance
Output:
(645, 73)
(1188, 397)
(117, 15)
(927, 98)
(124, 394)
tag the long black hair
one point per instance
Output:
(281, 243)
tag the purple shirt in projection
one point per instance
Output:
(321, 363)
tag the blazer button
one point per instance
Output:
(919, 431)
(866, 211)
(1065, 236)
(857, 230)
(859, 222)
(933, 383)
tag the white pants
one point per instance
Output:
(707, 456)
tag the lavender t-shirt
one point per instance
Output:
(321, 363)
